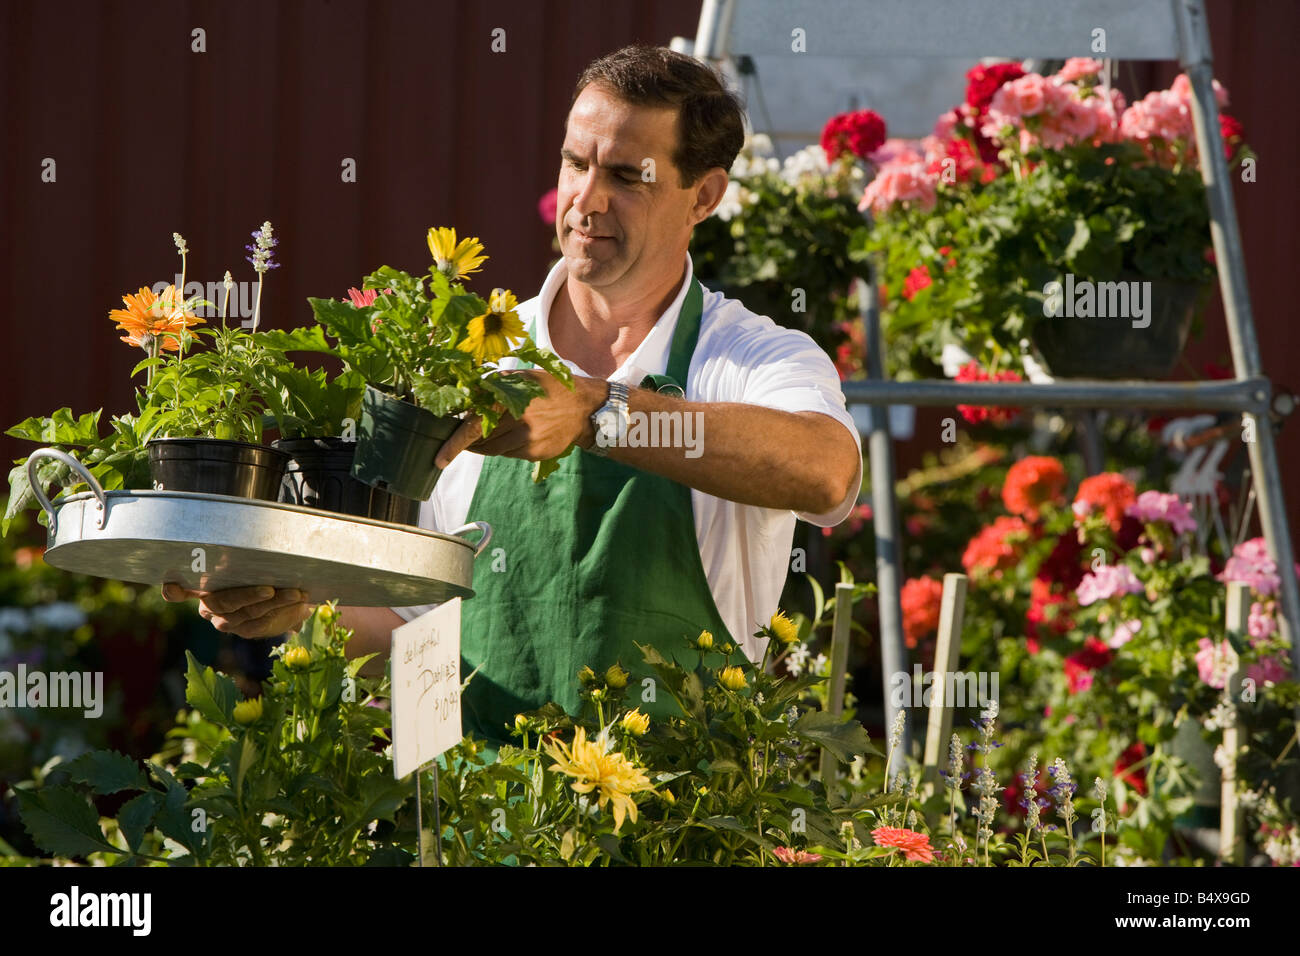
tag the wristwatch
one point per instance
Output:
(610, 421)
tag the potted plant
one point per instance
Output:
(317, 417)
(208, 433)
(429, 352)
(1044, 213)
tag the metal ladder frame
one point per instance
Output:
(1149, 29)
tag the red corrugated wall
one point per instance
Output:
(150, 138)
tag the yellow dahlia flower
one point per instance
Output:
(785, 630)
(597, 768)
(733, 678)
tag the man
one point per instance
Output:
(627, 544)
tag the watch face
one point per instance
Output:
(606, 422)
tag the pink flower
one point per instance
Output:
(1251, 564)
(896, 151)
(787, 855)
(915, 846)
(1077, 120)
(1182, 88)
(1261, 623)
(1269, 670)
(1081, 509)
(945, 125)
(546, 206)
(1214, 662)
(1124, 633)
(1106, 582)
(898, 182)
(363, 297)
(1158, 506)
(1076, 68)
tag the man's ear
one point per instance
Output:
(709, 191)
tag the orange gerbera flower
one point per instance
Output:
(148, 318)
(915, 846)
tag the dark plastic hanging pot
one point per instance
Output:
(320, 476)
(397, 443)
(214, 466)
(1073, 346)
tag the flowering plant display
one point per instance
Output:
(1032, 178)
(426, 340)
(786, 225)
(224, 391)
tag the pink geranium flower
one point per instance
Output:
(1214, 662)
(899, 182)
(1154, 506)
(1109, 580)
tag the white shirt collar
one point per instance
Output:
(650, 357)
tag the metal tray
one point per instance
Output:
(213, 542)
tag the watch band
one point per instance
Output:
(617, 402)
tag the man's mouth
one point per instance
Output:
(587, 236)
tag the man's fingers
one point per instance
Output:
(225, 605)
(470, 431)
(269, 624)
(176, 592)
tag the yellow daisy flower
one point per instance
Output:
(454, 259)
(732, 678)
(635, 722)
(597, 768)
(488, 335)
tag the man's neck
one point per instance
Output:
(599, 333)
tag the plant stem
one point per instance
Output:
(257, 309)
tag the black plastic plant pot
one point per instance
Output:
(1074, 346)
(397, 443)
(213, 466)
(320, 476)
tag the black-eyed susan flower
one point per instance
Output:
(598, 768)
(248, 711)
(453, 259)
(488, 336)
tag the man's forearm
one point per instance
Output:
(800, 461)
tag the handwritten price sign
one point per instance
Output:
(426, 688)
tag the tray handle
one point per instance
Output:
(482, 526)
(81, 472)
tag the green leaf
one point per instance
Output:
(107, 771)
(248, 754)
(62, 822)
(845, 739)
(544, 469)
(136, 815)
(439, 399)
(213, 695)
(515, 392)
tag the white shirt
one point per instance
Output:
(740, 357)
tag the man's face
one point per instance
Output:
(619, 227)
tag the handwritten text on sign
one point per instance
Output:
(426, 688)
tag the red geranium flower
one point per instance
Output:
(1232, 131)
(920, 600)
(861, 133)
(983, 81)
(975, 414)
(996, 548)
(1137, 779)
(1031, 483)
(1080, 665)
(917, 279)
(1111, 492)
(1049, 609)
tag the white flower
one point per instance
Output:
(761, 144)
(797, 659)
(820, 665)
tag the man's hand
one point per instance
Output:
(249, 612)
(550, 425)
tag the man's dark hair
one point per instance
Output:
(710, 126)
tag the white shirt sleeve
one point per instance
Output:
(784, 369)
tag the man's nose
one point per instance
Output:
(592, 197)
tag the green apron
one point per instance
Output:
(598, 557)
